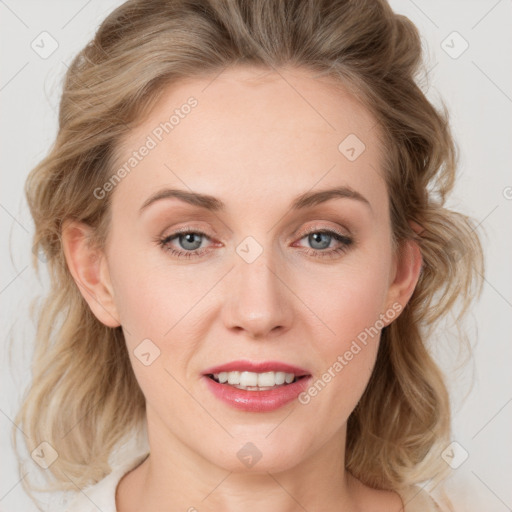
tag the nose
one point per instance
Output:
(258, 301)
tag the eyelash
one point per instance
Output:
(345, 241)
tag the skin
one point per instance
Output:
(256, 140)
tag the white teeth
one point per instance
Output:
(245, 380)
(280, 378)
(248, 379)
(288, 378)
(266, 379)
(233, 377)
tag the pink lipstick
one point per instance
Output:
(256, 386)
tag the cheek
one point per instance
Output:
(160, 303)
(348, 300)
(152, 296)
(351, 305)
(154, 311)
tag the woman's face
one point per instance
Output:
(287, 267)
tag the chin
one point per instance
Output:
(261, 455)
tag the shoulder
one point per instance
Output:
(416, 499)
(101, 496)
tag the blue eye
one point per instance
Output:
(320, 240)
(323, 239)
(191, 241)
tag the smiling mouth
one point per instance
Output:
(252, 381)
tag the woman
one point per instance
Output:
(244, 219)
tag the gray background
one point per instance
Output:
(477, 87)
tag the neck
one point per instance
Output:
(174, 477)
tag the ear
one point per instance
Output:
(88, 266)
(407, 268)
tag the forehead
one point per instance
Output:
(257, 131)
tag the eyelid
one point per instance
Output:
(187, 229)
(319, 227)
(345, 241)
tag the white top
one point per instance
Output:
(102, 495)
(132, 452)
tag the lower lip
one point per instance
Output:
(257, 401)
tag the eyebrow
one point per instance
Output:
(305, 200)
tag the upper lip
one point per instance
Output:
(257, 367)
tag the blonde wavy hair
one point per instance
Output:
(84, 398)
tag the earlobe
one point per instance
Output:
(408, 268)
(88, 266)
